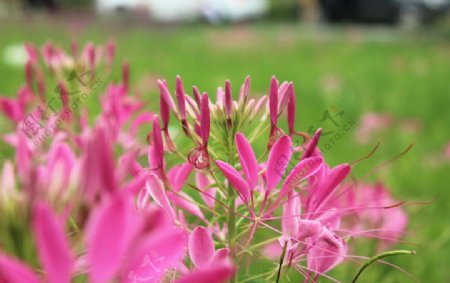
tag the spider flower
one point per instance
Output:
(201, 206)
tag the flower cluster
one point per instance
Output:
(98, 201)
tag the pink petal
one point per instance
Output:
(7, 181)
(110, 52)
(248, 160)
(221, 255)
(156, 190)
(218, 273)
(23, 157)
(291, 109)
(326, 253)
(64, 94)
(156, 255)
(143, 118)
(179, 174)
(329, 184)
(74, 48)
(11, 109)
(165, 95)
(291, 216)
(193, 107)
(157, 141)
(284, 92)
(312, 144)
(98, 166)
(29, 73)
(245, 89)
(273, 250)
(109, 232)
(220, 97)
(127, 165)
(394, 223)
(25, 96)
(14, 271)
(152, 158)
(47, 52)
(164, 110)
(331, 218)
(228, 99)
(308, 228)
(278, 161)
(31, 51)
(187, 203)
(201, 246)
(181, 99)
(52, 245)
(205, 118)
(202, 180)
(273, 101)
(304, 169)
(197, 95)
(209, 194)
(235, 179)
(61, 154)
(259, 104)
(142, 200)
(90, 52)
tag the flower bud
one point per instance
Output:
(228, 99)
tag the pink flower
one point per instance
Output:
(447, 151)
(375, 213)
(371, 123)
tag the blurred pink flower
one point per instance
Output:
(447, 151)
(374, 213)
(370, 123)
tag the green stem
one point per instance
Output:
(231, 221)
(281, 262)
(231, 204)
(232, 228)
(380, 256)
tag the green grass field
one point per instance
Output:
(354, 69)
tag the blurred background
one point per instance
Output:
(384, 63)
